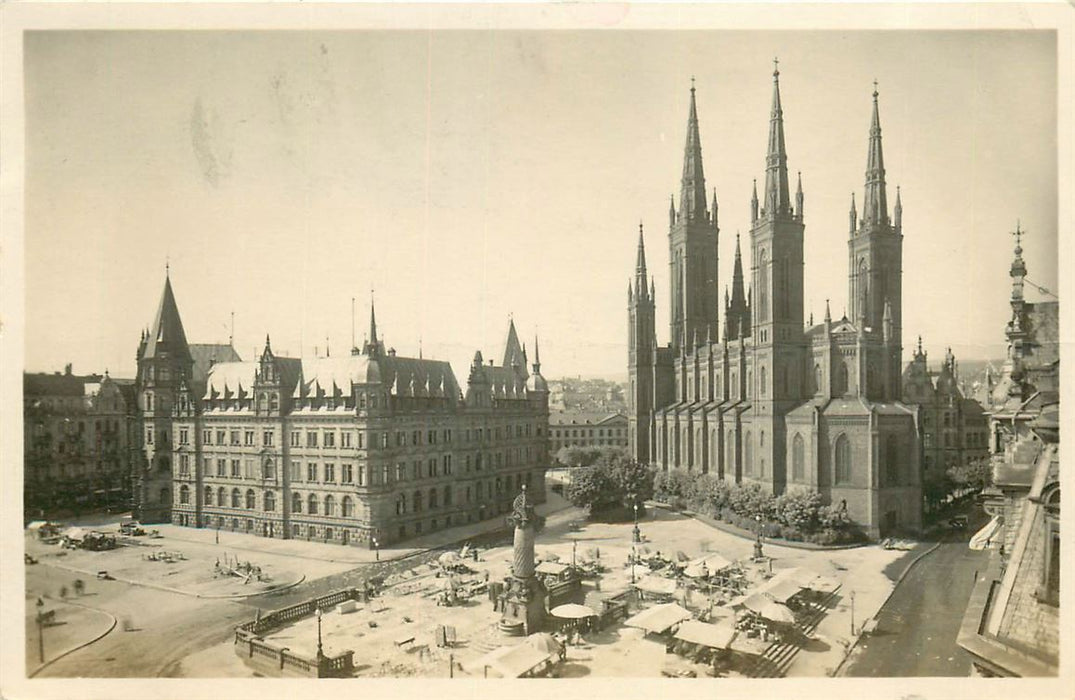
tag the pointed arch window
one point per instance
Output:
(748, 455)
(330, 505)
(841, 386)
(798, 458)
(312, 504)
(842, 458)
(763, 286)
(236, 498)
(762, 376)
(817, 379)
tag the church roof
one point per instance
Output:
(167, 334)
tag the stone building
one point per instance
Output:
(586, 429)
(763, 397)
(77, 442)
(955, 427)
(365, 449)
(1012, 623)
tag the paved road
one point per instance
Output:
(917, 627)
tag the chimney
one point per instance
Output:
(67, 369)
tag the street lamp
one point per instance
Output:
(41, 630)
(757, 542)
(376, 549)
(320, 653)
(574, 546)
(632, 564)
(636, 534)
(852, 613)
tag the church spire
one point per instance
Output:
(875, 204)
(777, 193)
(799, 197)
(373, 345)
(640, 265)
(692, 195)
(167, 337)
(898, 212)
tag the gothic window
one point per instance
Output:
(841, 386)
(842, 452)
(729, 464)
(761, 381)
(750, 384)
(798, 458)
(817, 378)
(763, 286)
(861, 294)
(296, 503)
(748, 455)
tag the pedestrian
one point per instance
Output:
(79, 586)
(63, 592)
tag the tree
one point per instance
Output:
(577, 455)
(615, 480)
(975, 475)
(593, 488)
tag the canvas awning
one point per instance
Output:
(754, 601)
(552, 568)
(656, 584)
(983, 539)
(782, 591)
(74, 533)
(511, 662)
(712, 563)
(712, 636)
(659, 618)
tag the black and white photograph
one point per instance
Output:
(626, 343)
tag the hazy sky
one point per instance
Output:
(471, 175)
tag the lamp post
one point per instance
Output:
(632, 564)
(41, 630)
(757, 542)
(376, 548)
(320, 651)
(574, 546)
(852, 613)
(636, 534)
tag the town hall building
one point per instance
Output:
(763, 397)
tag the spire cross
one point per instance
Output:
(776, 67)
(875, 87)
(692, 83)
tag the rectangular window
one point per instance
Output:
(235, 473)
(311, 439)
(183, 439)
(385, 473)
(296, 471)
(447, 464)
(361, 440)
(311, 472)
(347, 473)
(248, 438)
(361, 475)
(267, 438)
(401, 472)
(184, 465)
(207, 437)
(296, 439)
(330, 438)
(220, 437)
(222, 467)
(416, 471)
(248, 469)
(234, 437)
(432, 437)
(149, 436)
(330, 473)
(345, 438)
(384, 440)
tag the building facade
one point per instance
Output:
(954, 427)
(584, 429)
(77, 432)
(365, 449)
(1012, 623)
(763, 397)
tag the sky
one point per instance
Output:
(468, 177)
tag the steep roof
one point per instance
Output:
(585, 418)
(167, 335)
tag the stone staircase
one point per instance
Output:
(777, 657)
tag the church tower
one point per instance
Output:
(692, 240)
(776, 240)
(640, 351)
(875, 264)
(164, 367)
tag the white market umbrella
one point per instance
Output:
(572, 611)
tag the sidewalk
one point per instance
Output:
(75, 626)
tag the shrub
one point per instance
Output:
(793, 533)
(772, 530)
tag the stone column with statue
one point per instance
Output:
(524, 600)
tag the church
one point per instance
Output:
(764, 397)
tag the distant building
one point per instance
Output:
(363, 449)
(764, 397)
(582, 429)
(1011, 626)
(587, 395)
(955, 428)
(77, 442)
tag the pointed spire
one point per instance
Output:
(828, 313)
(692, 193)
(875, 205)
(373, 321)
(671, 210)
(777, 193)
(899, 211)
(652, 289)
(268, 345)
(852, 216)
(640, 265)
(512, 349)
(167, 337)
(754, 204)
(713, 209)
(799, 198)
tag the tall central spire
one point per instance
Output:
(640, 266)
(777, 194)
(692, 195)
(875, 204)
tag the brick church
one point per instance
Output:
(756, 394)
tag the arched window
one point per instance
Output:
(330, 505)
(208, 497)
(841, 379)
(269, 470)
(817, 379)
(798, 458)
(296, 503)
(729, 463)
(762, 376)
(750, 383)
(270, 501)
(348, 507)
(842, 452)
(250, 499)
(417, 501)
(221, 496)
(401, 504)
(763, 286)
(274, 402)
(748, 454)
(236, 498)
(184, 494)
(312, 505)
